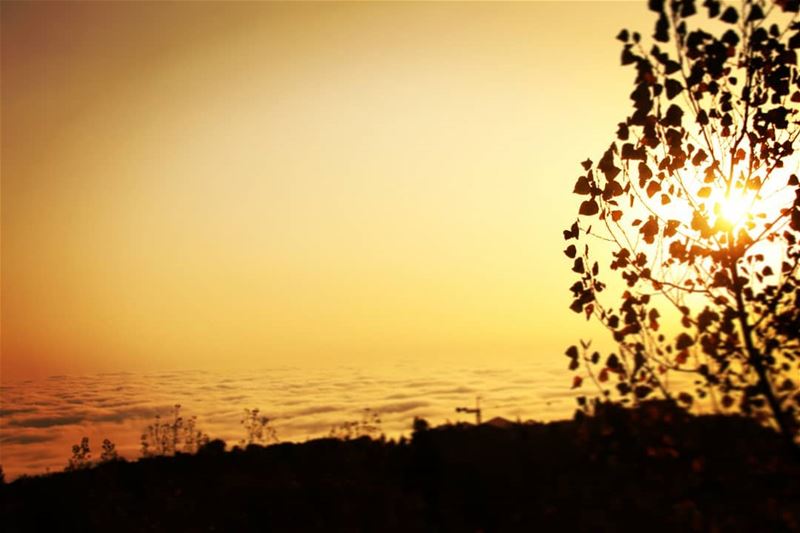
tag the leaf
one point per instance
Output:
(576, 382)
(755, 13)
(589, 208)
(671, 228)
(652, 188)
(582, 186)
(629, 152)
(794, 41)
(649, 230)
(683, 341)
(606, 165)
(673, 116)
(602, 377)
(713, 8)
(570, 251)
(644, 172)
(662, 29)
(704, 192)
(687, 8)
(699, 157)
(721, 280)
(673, 87)
(731, 38)
(572, 232)
(612, 190)
(730, 15)
(623, 36)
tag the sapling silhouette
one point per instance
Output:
(695, 210)
(167, 438)
(368, 426)
(258, 429)
(81, 456)
(109, 452)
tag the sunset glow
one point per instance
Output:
(303, 183)
(231, 187)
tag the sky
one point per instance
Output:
(224, 185)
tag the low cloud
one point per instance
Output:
(47, 421)
(26, 438)
(402, 407)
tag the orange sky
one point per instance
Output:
(235, 185)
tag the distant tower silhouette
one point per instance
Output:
(476, 410)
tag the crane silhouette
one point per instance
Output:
(476, 410)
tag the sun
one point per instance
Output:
(734, 206)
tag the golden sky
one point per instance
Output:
(215, 185)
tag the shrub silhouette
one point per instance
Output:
(258, 429)
(687, 243)
(109, 452)
(81, 456)
(368, 426)
(167, 438)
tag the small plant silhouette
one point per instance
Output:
(109, 452)
(166, 438)
(258, 429)
(193, 438)
(81, 456)
(368, 426)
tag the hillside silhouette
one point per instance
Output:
(654, 468)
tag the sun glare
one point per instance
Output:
(734, 206)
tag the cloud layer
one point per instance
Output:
(41, 420)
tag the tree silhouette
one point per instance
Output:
(695, 211)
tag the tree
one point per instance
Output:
(687, 242)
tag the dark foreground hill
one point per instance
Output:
(652, 469)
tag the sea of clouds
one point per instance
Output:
(40, 420)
